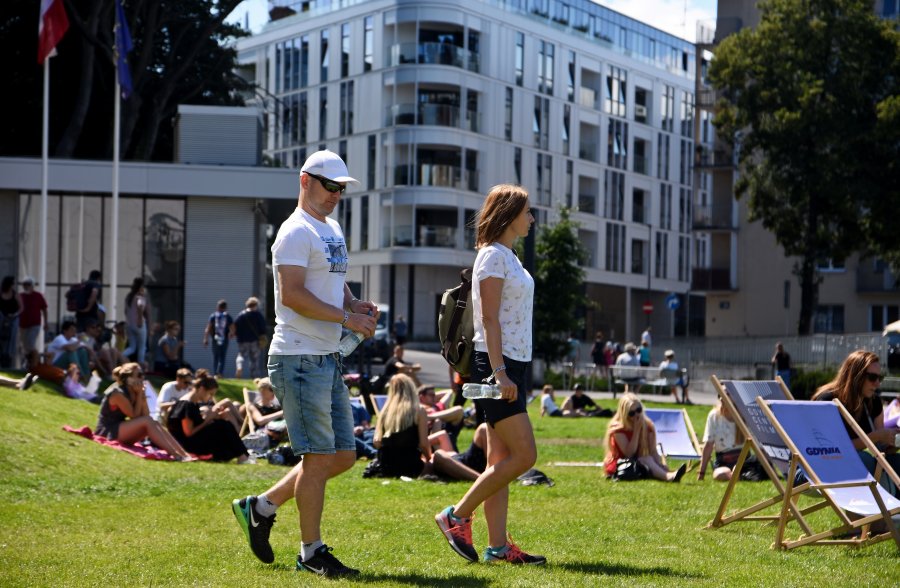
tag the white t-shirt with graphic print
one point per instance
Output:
(516, 300)
(720, 431)
(320, 248)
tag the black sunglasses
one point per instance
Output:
(329, 185)
(635, 411)
(874, 377)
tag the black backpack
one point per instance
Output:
(76, 297)
(456, 325)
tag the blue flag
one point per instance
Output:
(123, 47)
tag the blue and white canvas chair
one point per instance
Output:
(739, 396)
(675, 434)
(820, 445)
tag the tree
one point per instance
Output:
(809, 96)
(558, 286)
(181, 56)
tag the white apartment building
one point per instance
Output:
(433, 102)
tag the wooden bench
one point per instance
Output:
(628, 375)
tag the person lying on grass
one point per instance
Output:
(631, 435)
(125, 417)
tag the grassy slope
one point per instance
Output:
(78, 514)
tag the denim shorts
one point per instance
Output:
(315, 401)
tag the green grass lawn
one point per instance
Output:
(78, 514)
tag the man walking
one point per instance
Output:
(312, 303)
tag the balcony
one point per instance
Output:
(441, 115)
(589, 151)
(707, 99)
(435, 54)
(436, 236)
(712, 217)
(440, 175)
(642, 165)
(587, 203)
(711, 279)
(872, 276)
(716, 159)
(587, 97)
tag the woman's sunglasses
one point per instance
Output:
(874, 377)
(329, 185)
(635, 411)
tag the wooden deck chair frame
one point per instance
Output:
(749, 513)
(248, 426)
(831, 536)
(692, 463)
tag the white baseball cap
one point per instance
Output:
(327, 164)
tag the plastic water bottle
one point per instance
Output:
(349, 343)
(476, 391)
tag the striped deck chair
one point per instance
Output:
(819, 443)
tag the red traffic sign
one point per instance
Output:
(648, 308)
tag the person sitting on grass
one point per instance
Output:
(441, 414)
(631, 435)
(67, 349)
(19, 384)
(580, 404)
(548, 402)
(172, 391)
(206, 431)
(266, 412)
(467, 465)
(401, 433)
(722, 435)
(73, 388)
(125, 417)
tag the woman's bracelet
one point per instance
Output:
(499, 368)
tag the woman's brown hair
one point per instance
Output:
(125, 371)
(502, 205)
(847, 385)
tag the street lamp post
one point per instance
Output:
(649, 260)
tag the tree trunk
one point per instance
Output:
(809, 294)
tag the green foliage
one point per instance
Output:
(79, 514)
(811, 105)
(805, 382)
(559, 292)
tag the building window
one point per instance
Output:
(829, 318)
(641, 156)
(787, 293)
(686, 163)
(641, 105)
(570, 86)
(662, 254)
(567, 116)
(508, 112)
(639, 251)
(540, 125)
(303, 112)
(304, 61)
(345, 218)
(882, 315)
(684, 210)
(617, 140)
(545, 67)
(615, 247)
(368, 43)
(517, 165)
(372, 163)
(687, 115)
(364, 222)
(520, 58)
(323, 53)
(830, 265)
(640, 206)
(614, 190)
(345, 50)
(684, 258)
(346, 112)
(662, 157)
(569, 186)
(544, 179)
(323, 112)
(616, 86)
(342, 151)
(667, 108)
(665, 207)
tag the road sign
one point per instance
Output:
(648, 308)
(673, 301)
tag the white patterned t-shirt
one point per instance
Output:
(720, 431)
(516, 300)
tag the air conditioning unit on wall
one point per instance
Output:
(640, 110)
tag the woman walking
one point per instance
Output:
(137, 314)
(502, 300)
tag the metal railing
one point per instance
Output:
(435, 54)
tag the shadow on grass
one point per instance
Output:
(617, 569)
(421, 580)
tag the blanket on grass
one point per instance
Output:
(145, 452)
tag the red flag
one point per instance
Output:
(53, 25)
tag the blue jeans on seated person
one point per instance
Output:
(315, 401)
(79, 357)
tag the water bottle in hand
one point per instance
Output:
(349, 343)
(476, 391)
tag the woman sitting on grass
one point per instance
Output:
(722, 435)
(631, 435)
(73, 388)
(206, 431)
(266, 412)
(401, 434)
(125, 417)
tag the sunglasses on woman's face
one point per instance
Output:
(874, 378)
(635, 411)
(329, 185)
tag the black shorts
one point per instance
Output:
(495, 411)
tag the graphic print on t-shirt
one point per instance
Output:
(337, 254)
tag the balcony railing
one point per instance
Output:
(400, 237)
(436, 236)
(870, 280)
(436, 54)
(441, 115)
(711, 279)
(447, 176)
(718, 158)
(587, 97)
(714, 217)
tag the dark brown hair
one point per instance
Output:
(847, 385)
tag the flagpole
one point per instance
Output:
(44, 199)
(114, 274)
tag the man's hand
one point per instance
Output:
(362, 323)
